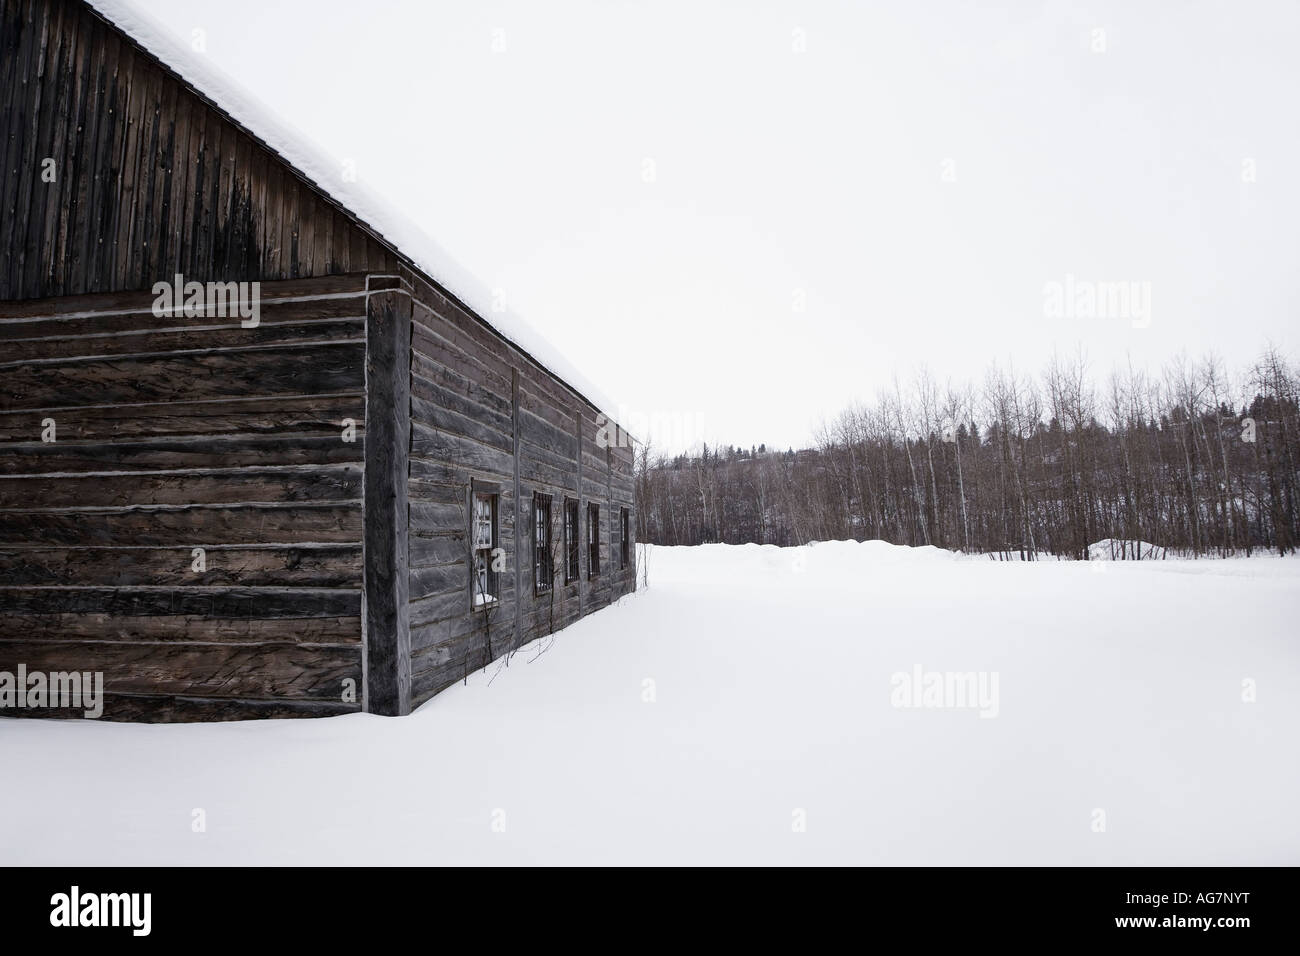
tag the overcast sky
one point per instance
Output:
(747, 215)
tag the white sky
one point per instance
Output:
(820, 173)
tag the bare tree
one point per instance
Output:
(1186, 458)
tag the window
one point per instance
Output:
(483, 536)
(623, 536)
(542, 569)
(593, 539)
(572, 546)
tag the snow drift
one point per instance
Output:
(748, 708)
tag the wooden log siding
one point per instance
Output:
(328, 563)
(482, 410)
(150, 178)
(239, 452)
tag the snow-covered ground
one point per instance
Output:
(769, 734)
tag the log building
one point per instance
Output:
(346, 503)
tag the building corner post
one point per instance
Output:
(386, 628)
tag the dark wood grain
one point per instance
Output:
(216, 670)
(388, 395)
(325, 566)
(151, 178)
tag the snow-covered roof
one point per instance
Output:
(322, 170)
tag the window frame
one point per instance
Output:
(491, 492)
(543, 572)
(623, 528)
(572, 541)
(593, 540)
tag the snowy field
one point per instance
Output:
(769, 734)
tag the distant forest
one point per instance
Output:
(1188, 458)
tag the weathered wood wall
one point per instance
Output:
(173, 434)
(150, 179)
(479, 408)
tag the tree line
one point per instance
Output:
(1188, 458)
